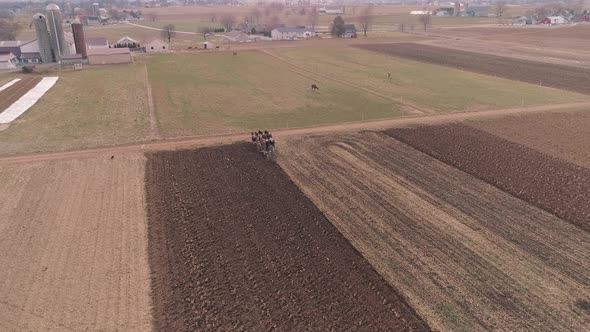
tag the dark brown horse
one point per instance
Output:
(314, 87)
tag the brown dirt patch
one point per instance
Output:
(235, 245)
(73, 238)
(552, 184)
(17, 90)
(546, 74)
(466, 255)
(563, 135)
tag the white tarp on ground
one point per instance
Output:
(27, 100)
(9, 84)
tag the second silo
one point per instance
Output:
(79, 40)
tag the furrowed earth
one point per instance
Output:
(235, 245)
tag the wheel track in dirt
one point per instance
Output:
(189, 142)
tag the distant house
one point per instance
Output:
(478, 11)
(108, 56)
(127, 42)
(349, 31)
(553, 20)
(292, 33)
(334, 11)
(8, 60)
(156, 46)
(93, 43)
(421, 12)
(92, 20)
(237, 36)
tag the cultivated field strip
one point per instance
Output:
(73, 244)
(552, 184)
(15, 91)
(465, 254)
(9, 84)
(562, 135)
(546, 74)
(236, 246)
(27, 100)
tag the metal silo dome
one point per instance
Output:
(52, 6)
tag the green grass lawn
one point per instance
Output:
(429, 87)
(88, 108)
(221, 93)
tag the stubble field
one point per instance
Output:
(467, 256)
(73, 238)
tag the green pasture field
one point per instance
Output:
(429, 88)
(87, 108)
(221, 93)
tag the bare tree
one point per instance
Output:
(168, 32)
(366, 19)
(274, 22)
(254, 16)
(8, 30)
(228, 21)
(425, 19)
(206, 31)
(500, 8)
(212, 17)
(314, 17)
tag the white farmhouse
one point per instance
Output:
(292, 33)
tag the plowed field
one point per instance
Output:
(466, 255)
(73, 245)
(564, 135)
(235, 245)
(552, 184)
(546, 74)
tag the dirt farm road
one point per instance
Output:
(188, 142)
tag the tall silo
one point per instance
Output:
(56, 31)
(43, 38)
(79, 40)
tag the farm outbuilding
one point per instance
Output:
(8, 61)
(553, 20)
(108, 56)
(156, 46)
(349, 31)
(292, 33)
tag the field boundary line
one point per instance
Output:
(195, 141)
(375, 93)
(155, 131)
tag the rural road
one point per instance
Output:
(189, 142)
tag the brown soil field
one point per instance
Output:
(17, 90)
(466, 255)
(73, 244)
(547, 74)
(570, 38)
(563, 135)
(235, 245)
(552, 184)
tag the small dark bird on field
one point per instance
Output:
(112, 157)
